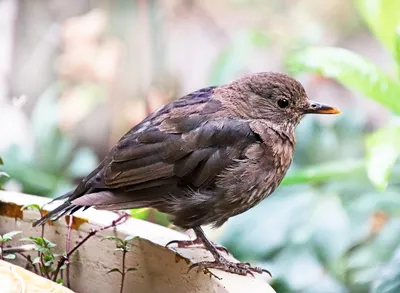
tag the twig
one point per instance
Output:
(22, 248)
(29, 262)
(40, 255)
(43, 266)
(123, 271)
(1, 249)
(67, 248)
(93, 232)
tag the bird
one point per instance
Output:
(202, 159)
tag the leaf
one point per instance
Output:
(48, 257)
(42, 249)
(351, 70)
(131, 269)
(4, 177)
(328, 171)
(36, 260)
(397, 56)
(50, 244)
(383, 149)
(382, 17)
(4, 174)
(1, 161)
(42, 242)
(389, 279)
(32, 206)
(60, 281)
(114, 270)
(140, 213)
(36, 240)
(9, 256)
(8, 236)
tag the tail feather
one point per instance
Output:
(68, 207)
(61, 197)
(56, 213)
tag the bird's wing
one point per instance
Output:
(193, 149)
(186, 143)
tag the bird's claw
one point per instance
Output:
(242, 269)
(181, 243)
(190, 243)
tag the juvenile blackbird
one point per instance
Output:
(211, 155)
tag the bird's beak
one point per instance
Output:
(317, 108)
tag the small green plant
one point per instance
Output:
(3, 240)
(50, 166)
(123, 246)
(49, 264)
(46, 259)
(3, 176)
(37, 208)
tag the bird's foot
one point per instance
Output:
(223, 264)
(196, 242)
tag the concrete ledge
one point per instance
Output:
(159, 269)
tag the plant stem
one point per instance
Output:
(29, 262)
(67, 248)
(40, 254)
(44, 267)
(1, 249)
(121, 219)
(123, 271)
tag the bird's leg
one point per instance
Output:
(222, 263)
(197, 241)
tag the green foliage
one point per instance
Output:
(121, 243)
(354, 72)
(150, 215)
(9, 236)
(382, 17)
(389, 279)
(333, 225)
(351, 70)
(383, 149)
(3, 175)
(6, 238)
(47, 259)
(327, 171)
(48, 167)
(321, 235)
(32, 206)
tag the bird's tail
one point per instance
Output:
(66, 208)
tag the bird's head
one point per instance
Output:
(276, 97)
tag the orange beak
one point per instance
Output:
(317, 108)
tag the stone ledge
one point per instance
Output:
(159, 269)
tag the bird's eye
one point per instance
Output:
(283, 103)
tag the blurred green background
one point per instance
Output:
(76, 75)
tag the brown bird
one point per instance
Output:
(211, 155)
